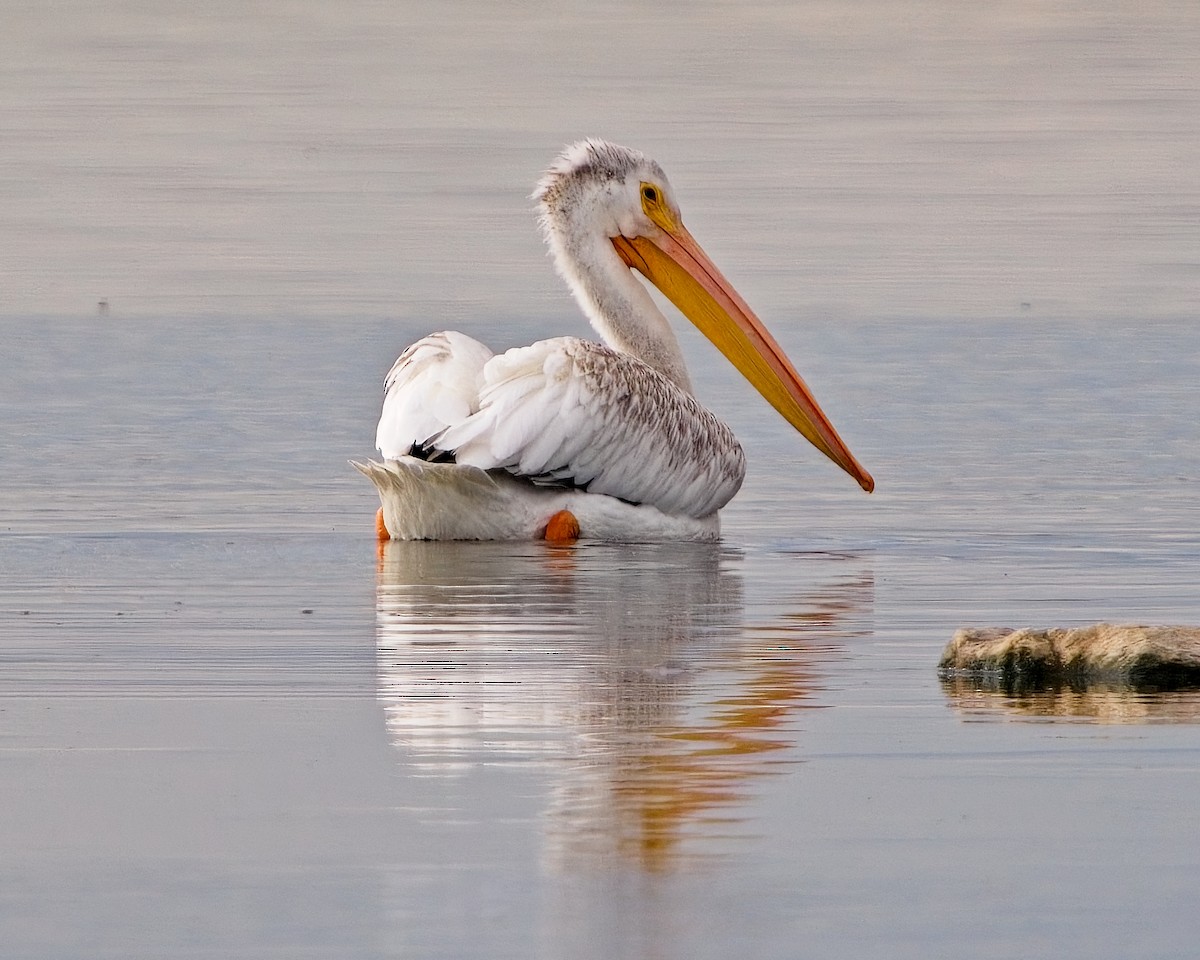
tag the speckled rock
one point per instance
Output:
(1129, 653)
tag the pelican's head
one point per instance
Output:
(597, 186)
(599, 189)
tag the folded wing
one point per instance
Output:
(562, 411)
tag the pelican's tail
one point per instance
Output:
(452, 501)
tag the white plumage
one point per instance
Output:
(483, 446)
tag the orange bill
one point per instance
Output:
(674, 262)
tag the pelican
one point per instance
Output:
(570, 438)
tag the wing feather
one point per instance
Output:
(572, 411)
(434, 384)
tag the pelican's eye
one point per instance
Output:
(654, 206)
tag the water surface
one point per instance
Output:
(230, 727)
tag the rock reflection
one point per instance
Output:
(982, 699)
(629, 672)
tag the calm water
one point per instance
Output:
(230, 728)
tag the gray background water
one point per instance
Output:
(228, 729)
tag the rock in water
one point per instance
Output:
(1137, 655)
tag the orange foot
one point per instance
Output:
(562, 528)
(381, 530)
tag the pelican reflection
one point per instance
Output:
(626, 673)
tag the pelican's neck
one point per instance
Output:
(618, 305)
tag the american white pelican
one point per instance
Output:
(566, 437)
